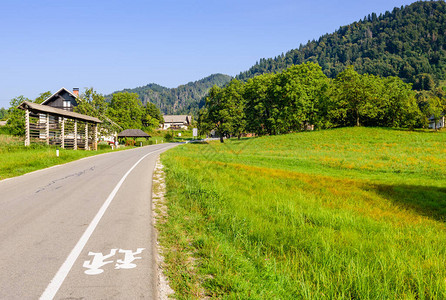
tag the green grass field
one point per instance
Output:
(351, 213)
(16, 159)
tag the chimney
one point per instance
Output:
(76, 92)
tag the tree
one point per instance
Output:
(42, 97)
(151, 116)
(3, 113)
(126, 110)
(424, 82)
(226, 109)
(204, 125)
(233, 92)
(16, 117)
(92, 103)
(355, 95)
(259, 104)
(300, 91)
(399, 106)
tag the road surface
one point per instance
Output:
(81, 230)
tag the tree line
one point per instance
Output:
(125, 111)
(302, 97)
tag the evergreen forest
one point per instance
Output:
(185, 99)
(407, 42)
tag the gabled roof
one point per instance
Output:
(56, 93)
(432, 118)
(176, 118)
(39, 108)
(133, 133)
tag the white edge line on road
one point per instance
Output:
(60, 276)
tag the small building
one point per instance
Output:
(133, 133)
(440, 123)
(176, 121)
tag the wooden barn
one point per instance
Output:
(54, 122)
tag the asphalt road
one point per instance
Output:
(81, 230)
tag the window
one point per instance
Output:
(66, 103)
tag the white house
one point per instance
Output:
(440, 123)
(176, 121)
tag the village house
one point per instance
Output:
(176, 121)
(54, 122)
(66, 100)
(63, 99)
(440, 123)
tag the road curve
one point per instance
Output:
(81, 230)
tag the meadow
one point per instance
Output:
(350, 213)
(16, 159)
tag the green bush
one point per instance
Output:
(168, 136)
(103, 146)
(4, 130)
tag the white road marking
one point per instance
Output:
(95, 265)
(97, 262)
(60, 276)
(129, 257)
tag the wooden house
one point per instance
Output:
(63, 99)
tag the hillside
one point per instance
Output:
(185, 99)
(408, 42)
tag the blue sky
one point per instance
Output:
(111, 45)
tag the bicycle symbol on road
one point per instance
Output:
(99, 260)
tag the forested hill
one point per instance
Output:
(185, 99)
(408, 42)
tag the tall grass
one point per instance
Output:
(16, 159)
(354, 213)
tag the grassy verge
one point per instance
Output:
(354, 213)
(16, 159)
(177, 135)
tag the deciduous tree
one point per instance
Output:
(42, 97)
(226, 109)
(151, 116)
(126, 110)
(16, 117)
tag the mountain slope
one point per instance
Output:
(407, 42)
(185, 99)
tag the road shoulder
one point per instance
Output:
(160, 215)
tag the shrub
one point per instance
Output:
(103, 145)
(168, 136)
(129, 142)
